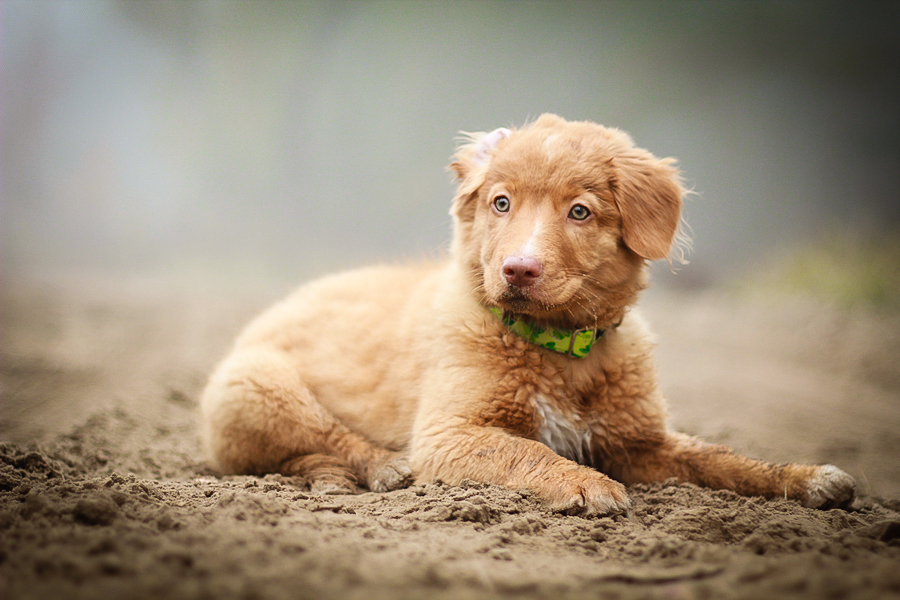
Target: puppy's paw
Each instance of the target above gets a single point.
(588, 494)
(327, 486)
(325, 474)
(393, 473)
(829, 487)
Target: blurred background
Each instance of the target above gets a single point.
(289, 139)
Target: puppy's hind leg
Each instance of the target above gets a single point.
(259, 417)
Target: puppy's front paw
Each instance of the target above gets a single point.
(587, 493)
(393, 473)
(829, 487)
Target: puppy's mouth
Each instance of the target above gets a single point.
(557, 306)
(523, 301)
(516, 299)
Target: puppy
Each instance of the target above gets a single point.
(519, 361)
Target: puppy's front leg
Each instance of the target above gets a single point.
(456, 451)
(718, 467)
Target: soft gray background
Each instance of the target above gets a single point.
(290, 139)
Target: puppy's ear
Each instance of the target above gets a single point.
(477, 151)
(648, 193)
(470, 165)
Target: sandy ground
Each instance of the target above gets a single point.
(103, 493)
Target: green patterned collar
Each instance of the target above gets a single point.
(565, 341)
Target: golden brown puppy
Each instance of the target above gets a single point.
(517, 362)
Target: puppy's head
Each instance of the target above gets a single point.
(557, 220)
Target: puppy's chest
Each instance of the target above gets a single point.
(564, 406)
(566, 433)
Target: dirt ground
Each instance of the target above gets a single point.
(103, 493)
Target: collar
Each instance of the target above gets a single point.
(575, 343)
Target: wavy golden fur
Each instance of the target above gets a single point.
(388, 375)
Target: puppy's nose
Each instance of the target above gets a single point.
(522, 271)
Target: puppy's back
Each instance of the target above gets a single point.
(354, 338)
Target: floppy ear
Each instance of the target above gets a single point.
(470, 165)
(477, 152)
(647, 192)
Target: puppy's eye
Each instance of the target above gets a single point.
(579, 212)
(501, 204)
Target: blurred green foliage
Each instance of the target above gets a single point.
(840, 267)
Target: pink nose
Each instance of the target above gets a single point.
(522, 271)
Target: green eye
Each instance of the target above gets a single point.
(579, 212)
(501, 204)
